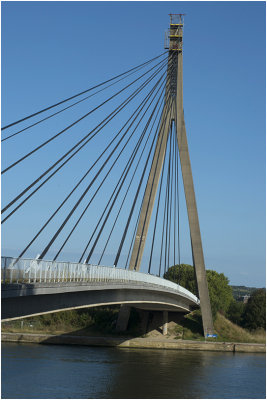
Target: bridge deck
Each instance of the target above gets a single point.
(31, 287)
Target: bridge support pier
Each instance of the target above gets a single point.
(144, 320)
(123, 318)
(165, 323)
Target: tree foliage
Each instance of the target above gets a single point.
(184, 275)
(255, 312)
(220, 292)
(219, 289)
(235, 312)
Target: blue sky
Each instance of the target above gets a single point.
(51, 50)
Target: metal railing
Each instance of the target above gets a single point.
(22, 270)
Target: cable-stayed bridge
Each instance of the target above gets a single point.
(100, 171)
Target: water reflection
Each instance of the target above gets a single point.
(51, 371)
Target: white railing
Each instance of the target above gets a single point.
(22, 270)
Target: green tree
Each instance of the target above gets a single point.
(255, 311)
(184, 275)
(219, 289)
(220, 292)
(235, 312)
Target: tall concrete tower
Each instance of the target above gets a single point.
(173, 113)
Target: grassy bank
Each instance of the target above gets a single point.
(102, 321)
(190, 328)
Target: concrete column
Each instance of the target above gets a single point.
(123, 318)
(165, 323)
(151, 191)
(144, 320)
(198, 257)
(154, 176)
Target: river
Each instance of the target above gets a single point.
(61, 371)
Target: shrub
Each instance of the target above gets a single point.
(255, 311)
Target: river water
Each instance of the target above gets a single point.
(53, 371)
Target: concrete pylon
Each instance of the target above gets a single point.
(197, 250)
(123, 318)
(174, 113)
(151, 190)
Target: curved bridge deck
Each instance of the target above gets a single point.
(31, 287)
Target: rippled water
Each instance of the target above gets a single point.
(52, 371)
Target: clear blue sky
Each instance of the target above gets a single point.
(51, 50)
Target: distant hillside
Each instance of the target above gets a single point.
(239, 291)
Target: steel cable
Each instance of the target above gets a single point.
(178, 200)
(66, 108)
(113, 226)
(121, 184)
(136, 196)
(139, 246)
(52, 216)
(74, 123)
(175, 194)
(171, 195)
(167, 206)
(164, 216)
(100, 185)
(76, 205)
(156, 218)
(98, 128)
(79, 94)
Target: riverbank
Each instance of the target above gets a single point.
(140, 342)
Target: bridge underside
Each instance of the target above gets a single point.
(23, 300)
